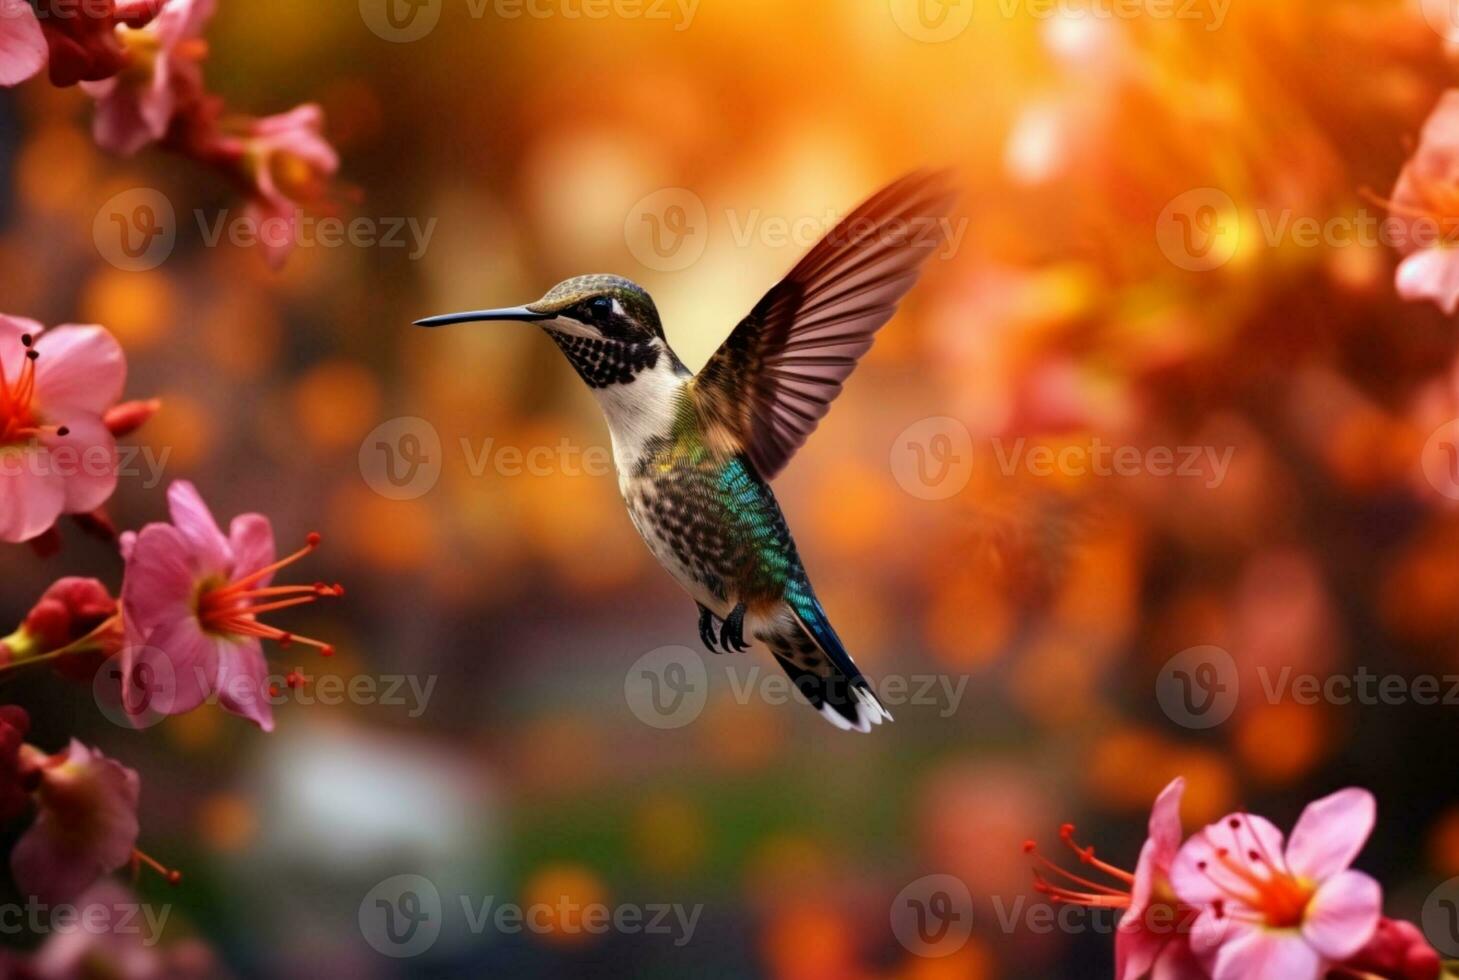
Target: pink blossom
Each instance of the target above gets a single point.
(78, 614)
(1153, 933)
(1269, 912)
(191, 598)
(22, 43)
(1153, 929)
(85, 825)
(136, 106)
(120, 944)
(1398, 951)
(288, 164)
(1425, 208)
(82, 37)
(56, 453)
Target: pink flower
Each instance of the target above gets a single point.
(22, 42)
(288, 164)
(136, 106)
(1398, 951)
(1274, 913)
(85, 825)
(75, 613)
(120, 945)
(191, 598)
(1153, 933)
(82, 36)
(1425, 206)
(56, 454)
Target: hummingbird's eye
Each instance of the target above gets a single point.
(600, 305)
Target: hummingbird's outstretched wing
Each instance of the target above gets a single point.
(770, 383)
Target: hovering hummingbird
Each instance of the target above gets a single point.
(695, 452)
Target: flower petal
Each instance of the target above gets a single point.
(1267, 954)
(251, 537)
(86, 459)
(1165, 828)
(1431, 274)
(1200, 874)
(79, 368)
(22, 43)
(1330, 833)
(126, 119)
(193, 518)
(243, 681)
(1177, 962)
(31, 495)
(85, 827)
(172, 672)
(160, 578)
(1341, 917)
(1161, 846)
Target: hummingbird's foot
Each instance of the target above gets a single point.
(706, 630)
(732, 636)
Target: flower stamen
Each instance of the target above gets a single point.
(234, 608)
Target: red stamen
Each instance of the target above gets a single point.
(171, 875)
(1084, 890)
(234, 608)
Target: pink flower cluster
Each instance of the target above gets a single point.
(189, 625)
(1239, 901)
(141, 60)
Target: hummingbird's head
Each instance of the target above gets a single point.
(607, 326)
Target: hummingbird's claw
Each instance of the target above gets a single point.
(706, 630)
(732, 636)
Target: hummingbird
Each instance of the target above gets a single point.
(695, 453)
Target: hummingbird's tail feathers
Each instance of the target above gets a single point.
(811, 653)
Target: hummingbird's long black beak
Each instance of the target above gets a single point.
(480, 316)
